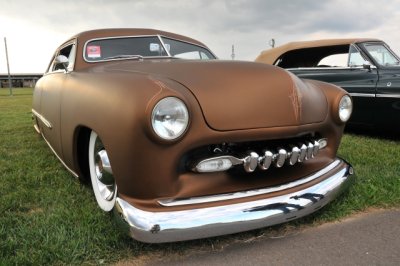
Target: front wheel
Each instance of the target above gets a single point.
(103, 182)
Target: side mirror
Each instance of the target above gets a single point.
(367, 65)
(61, 62)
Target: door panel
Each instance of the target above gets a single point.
(50, 109)
(388, 99)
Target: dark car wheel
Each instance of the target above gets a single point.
(103, 182)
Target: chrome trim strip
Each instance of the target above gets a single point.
(373, 95)
(59, 158)
(249, 193)
(370, 95)
(170, 226)
(44, 120)
(35, 125)
(330, 68)
(388, 95)
(36, 128)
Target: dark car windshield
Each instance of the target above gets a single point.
(142, 47)
(381, 54)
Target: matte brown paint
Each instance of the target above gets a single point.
(227, 101)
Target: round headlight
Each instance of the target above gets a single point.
(170, 118)
(345, 108)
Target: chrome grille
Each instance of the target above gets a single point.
(250, 161)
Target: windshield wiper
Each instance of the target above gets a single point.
(125, 56)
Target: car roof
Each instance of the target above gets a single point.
(271, 55)
(116, 32)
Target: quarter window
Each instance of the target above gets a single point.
(67, 51)
(355, 57)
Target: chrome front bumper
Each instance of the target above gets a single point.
(157, 227)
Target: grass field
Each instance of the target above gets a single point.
(48, 217)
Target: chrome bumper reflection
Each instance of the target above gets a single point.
(157, 227)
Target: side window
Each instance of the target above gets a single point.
(315, 57)
(69, 52)
(335, 60)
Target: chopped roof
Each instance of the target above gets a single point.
(115, 32)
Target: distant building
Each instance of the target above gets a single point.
(20, 80)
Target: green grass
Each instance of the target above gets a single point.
(48, 217)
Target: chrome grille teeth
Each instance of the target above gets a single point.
(294, 155)
(303, 153)
(297, 154)
(264, 162)
(251, 162)
(310, 148)
(280, 158)
(316, 148)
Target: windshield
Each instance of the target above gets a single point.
(382, 54)
(142, 47)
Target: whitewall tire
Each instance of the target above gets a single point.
(102, 178)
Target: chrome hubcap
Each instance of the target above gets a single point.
(105, 178)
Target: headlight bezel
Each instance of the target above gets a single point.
(162, 105)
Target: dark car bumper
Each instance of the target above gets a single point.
(170, 226)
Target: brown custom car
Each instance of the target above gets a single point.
(181, 145)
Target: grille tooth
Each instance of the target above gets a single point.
(280, 158)
(316, 148)
(310, 148)
(303, 153)
(250, 162)
(265, 161)
(294, 156)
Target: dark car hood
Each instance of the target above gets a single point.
(240, 95)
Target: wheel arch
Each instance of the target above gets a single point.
(81, 152)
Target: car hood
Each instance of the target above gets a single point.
(236, 95)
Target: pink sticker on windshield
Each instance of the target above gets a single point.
(93, 51)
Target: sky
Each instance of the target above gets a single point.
(34, 29)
